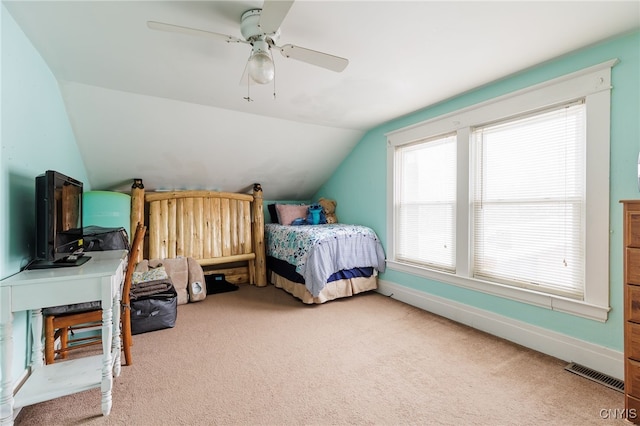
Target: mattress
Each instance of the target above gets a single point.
(328, 261)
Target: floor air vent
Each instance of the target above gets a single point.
(590, 374)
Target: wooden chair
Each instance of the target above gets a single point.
(59, 326)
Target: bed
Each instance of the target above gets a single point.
(226, 233)
(222, 231)
(319, 263)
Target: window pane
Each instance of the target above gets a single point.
(425, 203)
(528, 201)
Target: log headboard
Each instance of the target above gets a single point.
(223, 231)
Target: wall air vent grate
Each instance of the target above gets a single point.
(601, 378)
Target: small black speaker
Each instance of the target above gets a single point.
(216, 283)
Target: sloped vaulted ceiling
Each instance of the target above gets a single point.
(169, 108)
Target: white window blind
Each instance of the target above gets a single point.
(528, 201)
(426, 202)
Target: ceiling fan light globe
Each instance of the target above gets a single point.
(261, 68)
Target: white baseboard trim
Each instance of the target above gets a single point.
(566, 348)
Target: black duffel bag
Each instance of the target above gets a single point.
(154, 306)
(99, 238)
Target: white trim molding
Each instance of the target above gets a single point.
(523, 295)
(561, 346)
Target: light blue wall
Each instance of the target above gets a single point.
(359, 184)
(36, 136)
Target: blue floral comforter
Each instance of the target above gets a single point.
(318, 251)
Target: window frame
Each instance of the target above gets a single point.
(399, 162)
(592, 84)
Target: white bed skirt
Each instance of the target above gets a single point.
(333, 290)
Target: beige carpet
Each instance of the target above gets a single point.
(259, 357)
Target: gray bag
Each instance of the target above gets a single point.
(154, 306)
(98, 238)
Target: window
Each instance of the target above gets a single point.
(426, 203)
(528, 201)
(510, 197)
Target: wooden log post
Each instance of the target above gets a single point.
(258, 237)
(137, 209)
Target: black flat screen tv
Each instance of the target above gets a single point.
(59, 233)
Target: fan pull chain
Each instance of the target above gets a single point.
(248, 97)
(274, 75)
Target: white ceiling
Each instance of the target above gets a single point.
(169, 108)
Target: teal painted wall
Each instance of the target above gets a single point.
(359, 183)
(36, 136)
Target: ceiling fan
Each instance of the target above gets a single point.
(261, 29)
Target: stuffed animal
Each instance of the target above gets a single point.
(329, 209)
(316, 215)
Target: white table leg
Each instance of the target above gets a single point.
(107, 360)
(37, 354)
(6, 351)
(117, 341)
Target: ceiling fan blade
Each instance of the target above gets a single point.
(324, 60)
(272, 15)
(192, 31)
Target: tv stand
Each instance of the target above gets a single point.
(31, 290)
(60, 263)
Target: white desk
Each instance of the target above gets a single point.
(98, 279)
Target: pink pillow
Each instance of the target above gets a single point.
(287, 213)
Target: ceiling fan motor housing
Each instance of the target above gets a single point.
(251, 31)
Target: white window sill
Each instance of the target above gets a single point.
(555, 303)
